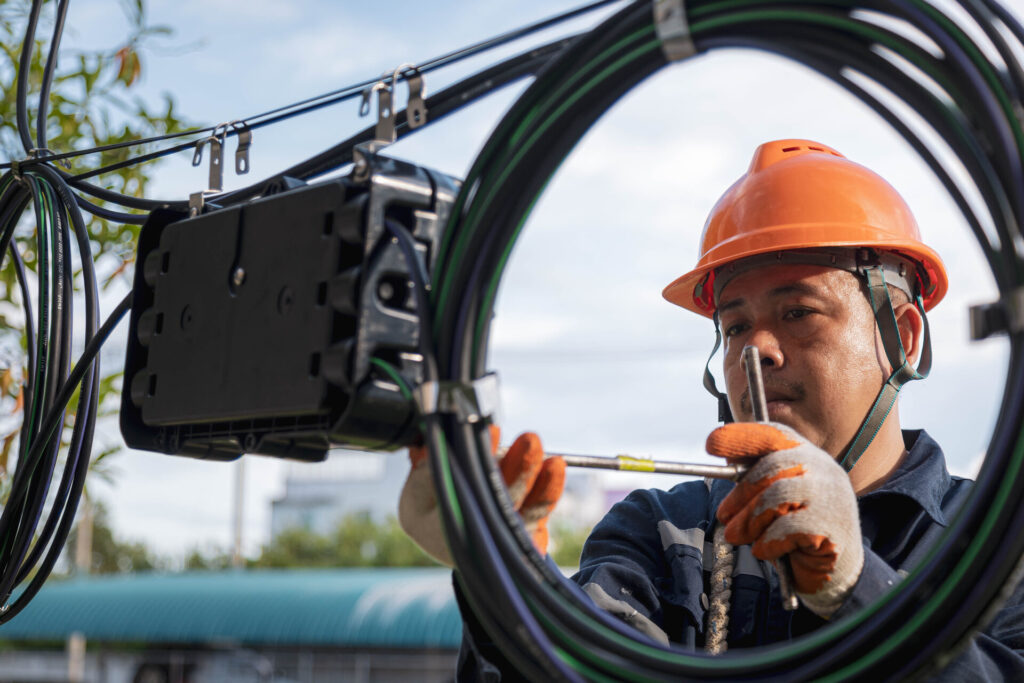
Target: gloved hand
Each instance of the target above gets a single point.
(534, 485)
(794, 500)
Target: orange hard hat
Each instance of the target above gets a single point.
(802, 195)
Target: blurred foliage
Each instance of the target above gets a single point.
(213, 559)
(566, 545)
(111, 555)
(357, 541)
(92, 103)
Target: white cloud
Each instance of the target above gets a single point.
(968, 469)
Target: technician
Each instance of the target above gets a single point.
(818, 263)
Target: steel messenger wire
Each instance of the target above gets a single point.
(963, 579)
(270, 117)
(449, 100)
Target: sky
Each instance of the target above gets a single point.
(588, 353)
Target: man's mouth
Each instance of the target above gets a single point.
(780, 402)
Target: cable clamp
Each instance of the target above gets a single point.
(999, 317)
(384, 133)
(468, 402)
(215, 183)
(35, 154)
(673, 30)
(244, 143)
(217, 140)
(416, 109)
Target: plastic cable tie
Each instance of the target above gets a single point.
(468, 402)
(673, 30)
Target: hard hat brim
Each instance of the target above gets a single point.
(681, 291)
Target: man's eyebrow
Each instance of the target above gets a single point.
(794, 288)
(781, 290)
(735, 303)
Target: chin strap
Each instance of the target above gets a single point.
(724, 412)
(885, 318)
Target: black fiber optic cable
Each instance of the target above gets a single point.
(545, 627)
(51, 66)
(538, 661)
(28, 553)
(503, 184)
(24, 67)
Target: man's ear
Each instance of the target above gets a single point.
(910, 323)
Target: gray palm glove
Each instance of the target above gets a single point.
(795, 500)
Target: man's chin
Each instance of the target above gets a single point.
(783, 411)
(787, 415)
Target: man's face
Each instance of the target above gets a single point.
(816, 335)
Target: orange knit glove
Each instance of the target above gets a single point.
(794, 500)
(534, 484)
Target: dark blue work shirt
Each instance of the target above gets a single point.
(649, 559)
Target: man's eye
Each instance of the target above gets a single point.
(797, 313)
(733, 330)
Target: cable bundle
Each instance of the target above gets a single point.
(36, 519)
(546, 627)
(543, 625)
(26, 551)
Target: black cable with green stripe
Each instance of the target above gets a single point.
(946, 599)
(37, 517)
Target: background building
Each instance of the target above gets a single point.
(296, 626)
(318, 496)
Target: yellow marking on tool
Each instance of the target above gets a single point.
(632, 464)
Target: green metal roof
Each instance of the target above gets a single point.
(413, 608)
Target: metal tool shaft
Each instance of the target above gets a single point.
(759, 406)
(755, 383)
(627, 463)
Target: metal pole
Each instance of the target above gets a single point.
(628, 463)
(237, 560)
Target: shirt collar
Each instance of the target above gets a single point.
(921, 476)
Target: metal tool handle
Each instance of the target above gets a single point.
(759, 407)
(629, 463)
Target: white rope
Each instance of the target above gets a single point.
(721, 593)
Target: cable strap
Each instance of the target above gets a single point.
(468, 402)
(673, 30)
(724, 412)
(903, 370)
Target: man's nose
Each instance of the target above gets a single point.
(767, 345)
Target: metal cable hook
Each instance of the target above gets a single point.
(416, 109)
